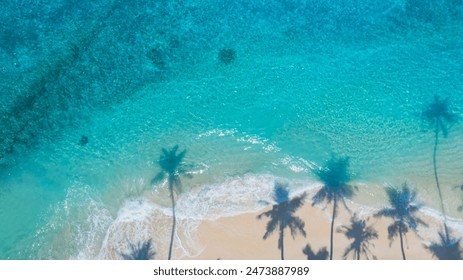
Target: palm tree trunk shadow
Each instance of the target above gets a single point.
(438, 115)
(172, 167)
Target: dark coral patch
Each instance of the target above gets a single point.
(83, 140)
(156, 57)
(227, 56)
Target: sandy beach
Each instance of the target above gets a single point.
(205, 231)
(240, 237)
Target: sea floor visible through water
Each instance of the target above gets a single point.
(277, 112)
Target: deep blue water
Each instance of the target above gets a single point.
(310, 79)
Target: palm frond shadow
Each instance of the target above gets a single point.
(282, 215)
(438, 116)
(361, 235)
(448, 247)
(335, 177)
(321, 254)
(402, 210)
(140, 251)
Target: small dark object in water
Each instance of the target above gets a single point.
(227, 56)
(156, 57)
(83, 140)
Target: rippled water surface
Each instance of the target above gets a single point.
(309, 79)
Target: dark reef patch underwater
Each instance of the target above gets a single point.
(256, 91)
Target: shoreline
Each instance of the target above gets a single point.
(213, 223)
(240, 237)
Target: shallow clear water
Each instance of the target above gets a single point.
(310, 80)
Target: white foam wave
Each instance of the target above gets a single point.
(201, 168)
(130, 225)
(266, 145)
(242, 137)
(234, 196)
(89, 235)
(218, 132)
(141, 218)
(435, 220)
(298, 165)
(76, 226)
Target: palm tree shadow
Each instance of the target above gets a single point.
(282, 215)
(438, 115)
(361, 235)
(439, 118)
(322, 254)
(402, 209)
(335, 176)
(172, 168)
(140, 251)
(448, 247)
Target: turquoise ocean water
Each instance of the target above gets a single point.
(310, 79)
